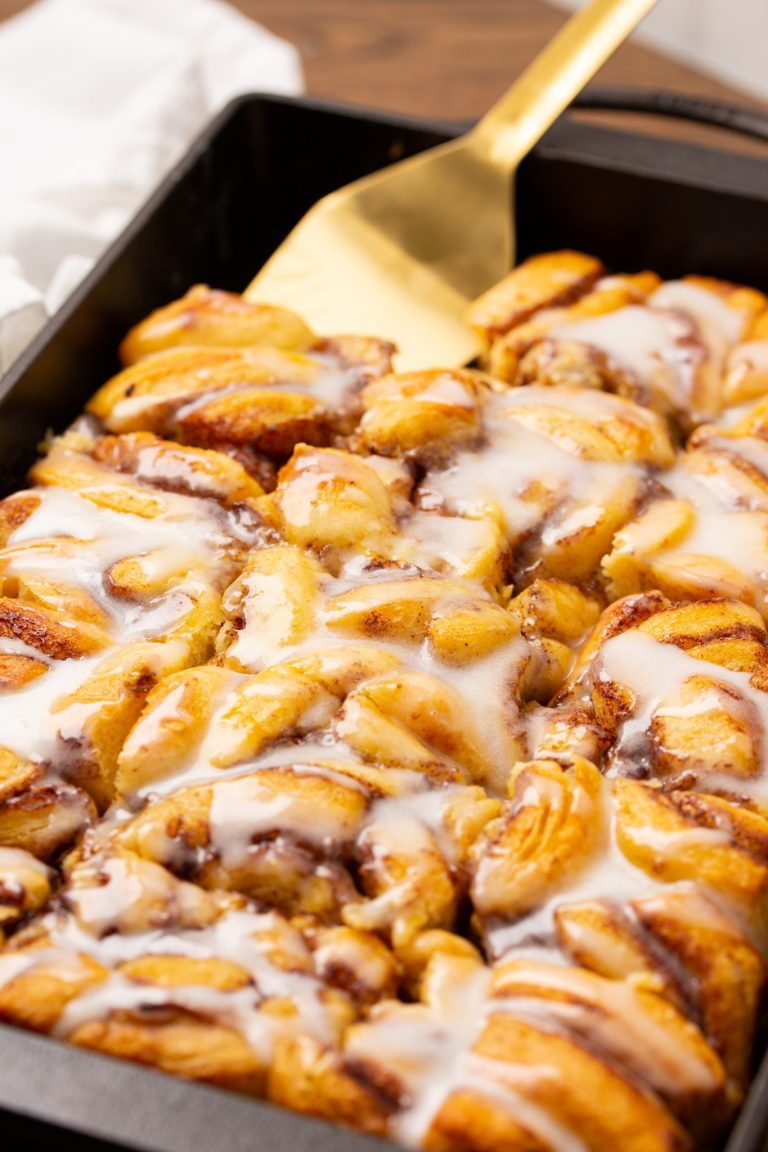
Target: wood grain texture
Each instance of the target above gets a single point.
(442, 58)
(447, 59)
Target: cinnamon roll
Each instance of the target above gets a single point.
(392, 746)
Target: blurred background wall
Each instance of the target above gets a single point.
(728, 38)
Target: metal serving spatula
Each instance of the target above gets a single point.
(400, 253)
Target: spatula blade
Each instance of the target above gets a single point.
(344, 275)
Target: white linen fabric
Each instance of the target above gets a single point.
(98, 99)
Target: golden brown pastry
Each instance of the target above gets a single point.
(515, 1059)
(325, 759)
(560, 470)
(390, 745)
(250, 380)
(681, 691)
(205, 316)
(705, 533)
(111, 574)
(357, 515)
(686, 348)
(139, 965)
(25, 885)
(545, 281)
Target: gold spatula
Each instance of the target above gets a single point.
(400, 253)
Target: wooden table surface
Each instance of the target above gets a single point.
(437, 58)
(443, 58)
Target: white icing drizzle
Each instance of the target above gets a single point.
(71, 540)
(239, 936)
(652, 344)
(607, 875)
(410, 822)
(242, 811)
(654, 672)
(708, 308)
(233, 937)
(15, 964)
(621, 1027)
(234, 1009)
(400, 815)
(749, 448)
(334, 383)
(486, 1077)
(14, 862)
(724, 549)
(29, 717)
(720, 531)
(427, 1051)
(663, 342)
(748, 365)
(446, 389)
(712, 490)
(442, 543)
(313, 374)
(265, 599)
(432, 1054)
(40, 718)
(524, 477)
(485, 688)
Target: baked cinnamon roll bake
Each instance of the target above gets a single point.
(392, 746)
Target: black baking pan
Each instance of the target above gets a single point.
(632, 200)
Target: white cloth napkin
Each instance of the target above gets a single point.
(98, 98)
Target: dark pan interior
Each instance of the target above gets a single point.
(215, 219)
(631, 200)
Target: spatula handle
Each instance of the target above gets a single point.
(521, 117)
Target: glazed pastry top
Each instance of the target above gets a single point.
(393, 746)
